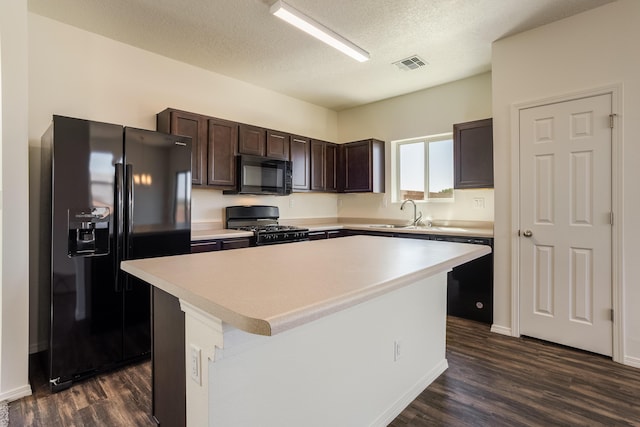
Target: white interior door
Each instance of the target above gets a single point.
(565, 223)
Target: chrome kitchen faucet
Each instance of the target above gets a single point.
(416, 217)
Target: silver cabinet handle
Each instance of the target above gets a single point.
(527, 233)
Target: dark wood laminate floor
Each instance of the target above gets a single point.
(119, 398)
(492, 380)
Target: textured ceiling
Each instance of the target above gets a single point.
(241, 39)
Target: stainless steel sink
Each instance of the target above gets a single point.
(391, 226)
(421, 227)
(450, 229)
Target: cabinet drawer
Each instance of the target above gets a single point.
(317, 235)
(235, 244)
(205, 246)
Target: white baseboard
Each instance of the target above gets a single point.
(632, 361)
(16, 393)
(502, 330)
(399, 405)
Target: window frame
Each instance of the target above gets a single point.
(395, 165)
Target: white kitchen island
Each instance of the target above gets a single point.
(340, 332)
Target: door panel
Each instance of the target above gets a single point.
(86, 332)
(565, 204)
(159, 219)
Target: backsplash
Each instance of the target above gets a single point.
(467, 206)
(208, 206)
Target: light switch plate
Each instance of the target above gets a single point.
(195, 364)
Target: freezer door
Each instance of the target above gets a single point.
(86, 308)
(157, 218)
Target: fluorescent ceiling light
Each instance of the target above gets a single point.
(317, 30)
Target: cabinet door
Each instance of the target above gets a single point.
(195, 126)
(252, 140)
(330, 167)
(357, 157)
(222, 146)
(278, 144)
(473, 154)
(363, 163)
(317, 165)
(168, 360)
(300, 158)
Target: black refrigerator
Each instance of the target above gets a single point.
(116, 193)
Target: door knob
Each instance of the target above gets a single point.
(527, 233)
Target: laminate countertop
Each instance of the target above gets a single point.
(458, 230)
(269, 289)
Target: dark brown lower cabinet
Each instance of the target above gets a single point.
(235, 243)
(328, 234)
(205, 246)
(169, 407)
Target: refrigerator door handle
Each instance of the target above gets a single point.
(118, 224)
(129, 230)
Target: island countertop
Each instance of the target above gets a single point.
(269, 289)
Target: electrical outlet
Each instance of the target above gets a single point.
(195, 364)
(397, 350)
(478, 202)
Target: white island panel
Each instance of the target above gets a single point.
(340, 370)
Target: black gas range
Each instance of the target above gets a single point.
(263, 222)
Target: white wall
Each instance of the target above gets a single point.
(14, 276)
(427, 112)
(80, 74)
(590, 50)
(76, 73)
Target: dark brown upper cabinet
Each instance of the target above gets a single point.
(222, 145)
(316, 165)
(278, 145)
(214, 146)
(331, 167)
(362, 166)
(473, 154)
(177, 122)
(252, 140)
(300, 153)
(323, 166)
(263, 142)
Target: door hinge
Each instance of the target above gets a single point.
(611, 218)
(611, 314)
(611, 120)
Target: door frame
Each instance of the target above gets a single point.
(617, 173)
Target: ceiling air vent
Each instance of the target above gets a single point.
(410, 63)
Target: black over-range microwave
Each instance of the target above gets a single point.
(262, 175)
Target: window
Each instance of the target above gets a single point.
(423, 163)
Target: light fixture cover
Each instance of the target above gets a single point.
(317, 30)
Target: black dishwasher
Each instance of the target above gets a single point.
(470, 285)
